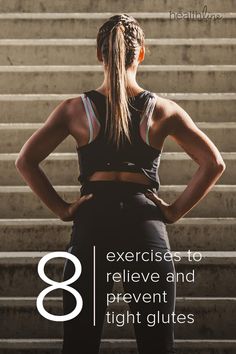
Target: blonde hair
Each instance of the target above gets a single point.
(118, 40)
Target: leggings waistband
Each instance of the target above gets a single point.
(114, 188)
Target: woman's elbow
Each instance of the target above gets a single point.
(22, 163)
(220, 165)
(217, 166)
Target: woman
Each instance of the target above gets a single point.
(119, 129)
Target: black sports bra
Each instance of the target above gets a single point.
(100, 155)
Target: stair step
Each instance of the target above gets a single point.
(113, 6)
(180, 164)
(20, 269)
(203, 234)
(68, 25)
(116, 346)
(198, 51)
(67, 79)
(23, 203)
(18, 315)
(35, 108)
(14, 135)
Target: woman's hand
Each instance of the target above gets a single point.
(166, 209)
(70, 209)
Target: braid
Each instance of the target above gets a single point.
(133, 36)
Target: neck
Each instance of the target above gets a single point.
(132, 86)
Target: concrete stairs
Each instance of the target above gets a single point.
(47, 54)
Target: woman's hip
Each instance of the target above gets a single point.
(126, 201)
(119, 215)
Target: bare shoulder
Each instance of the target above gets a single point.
(73, 106)
(171, 115)
(73, 109)
(165, 107)
(61, 113)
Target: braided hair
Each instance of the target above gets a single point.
(118, 41)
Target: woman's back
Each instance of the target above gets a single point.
(136, 156)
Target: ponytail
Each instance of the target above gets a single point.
(118, 114)
(117, 41)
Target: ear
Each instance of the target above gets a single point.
(141, 54)
(99, 55)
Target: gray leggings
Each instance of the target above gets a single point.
(118, 219)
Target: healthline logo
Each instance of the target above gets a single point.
(203, 15)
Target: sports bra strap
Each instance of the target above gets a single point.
(91, 110)
(147, 115)
(90, 115)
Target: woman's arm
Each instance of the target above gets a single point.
(201, 149)
(38, 147)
